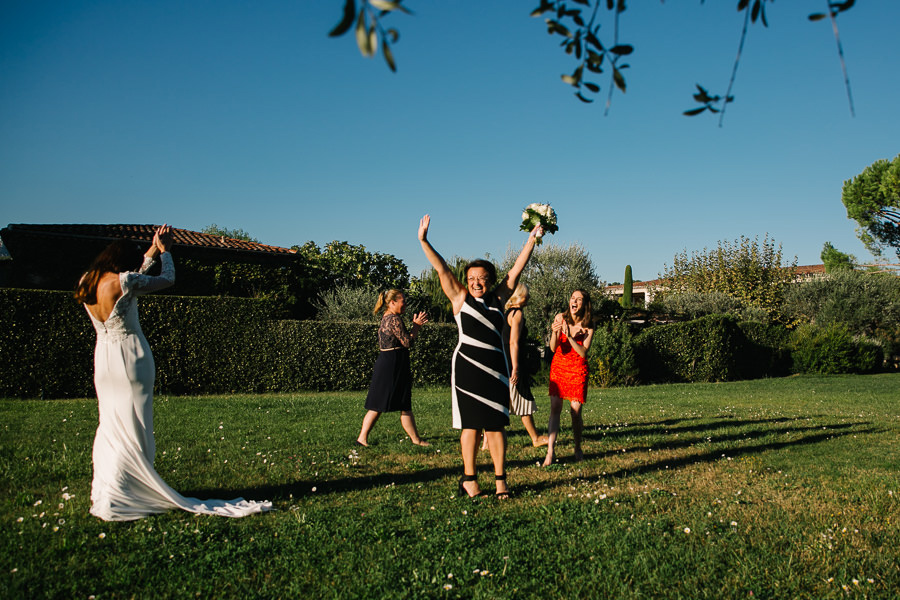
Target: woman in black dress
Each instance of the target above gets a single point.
(391, 387)
(480, 376)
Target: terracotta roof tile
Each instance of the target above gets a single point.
(184, 237)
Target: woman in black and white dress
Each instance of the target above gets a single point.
(391, 386)
(480, 376)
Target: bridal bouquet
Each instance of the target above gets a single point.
(539, 214)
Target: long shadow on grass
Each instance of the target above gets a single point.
(303, 488)
(712, 456)
(629, 430)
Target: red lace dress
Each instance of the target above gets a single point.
(568, 370)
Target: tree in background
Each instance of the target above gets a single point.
(552, 274)
(867, 304)
(343, 264)
(627, 289)
(872, 199)
(835, 260)
(425, 292)
(578, 24)
(237, 234)
(745, 269)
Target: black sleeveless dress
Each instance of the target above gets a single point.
(480, 378)
(521, 400)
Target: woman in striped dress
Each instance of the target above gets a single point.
(480, 377)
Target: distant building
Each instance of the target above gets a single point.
(53, 257)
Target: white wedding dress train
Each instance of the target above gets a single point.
(125, 485)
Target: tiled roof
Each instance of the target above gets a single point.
(184, 237)
(809, 270)
(636, 284)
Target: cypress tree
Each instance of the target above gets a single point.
(626, 289)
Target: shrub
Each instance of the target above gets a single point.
(832, 349)
(765, 350)
(347, 303)
(612, 359)
(699, 304)
(868, 304)
(698, 350)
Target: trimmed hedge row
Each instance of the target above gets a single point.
(200, 345)
(230, 345)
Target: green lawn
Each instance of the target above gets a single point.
(783, 488)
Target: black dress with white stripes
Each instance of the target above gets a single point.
(480, 378)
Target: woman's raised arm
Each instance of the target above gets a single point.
(453, 289)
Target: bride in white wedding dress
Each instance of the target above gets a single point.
(125, 485)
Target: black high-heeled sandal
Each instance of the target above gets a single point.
(502, 495)
(462, 489)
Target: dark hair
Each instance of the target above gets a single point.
(584, 315)
(487, 266)
(118, 257)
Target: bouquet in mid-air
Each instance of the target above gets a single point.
(539, 214)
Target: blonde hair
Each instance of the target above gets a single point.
(384, 298)
(519, 296)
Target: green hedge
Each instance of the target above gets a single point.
(698, 350)
(712, 348)
(201, 345)
(833, 349)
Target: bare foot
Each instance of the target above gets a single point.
(422, 443)
(547, 461)
(361, 443)
(541, 440)
(471, 488)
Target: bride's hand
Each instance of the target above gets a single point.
(163, 238)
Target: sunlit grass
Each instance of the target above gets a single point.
(781, 488)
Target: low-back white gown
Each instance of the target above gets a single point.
(125, 485)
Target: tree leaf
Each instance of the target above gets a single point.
(582, 98)
(742, 4)
(388, 55)
(570, 80)
(694, 111)
(618, 79)
(362, 35)
(592, 86)
(622, 49)
(373, 40)
(385, 5)
(594, 41)
(346, 21)
(816, 16)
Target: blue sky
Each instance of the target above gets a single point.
(247, 115)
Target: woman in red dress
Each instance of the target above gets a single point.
(570, 340)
